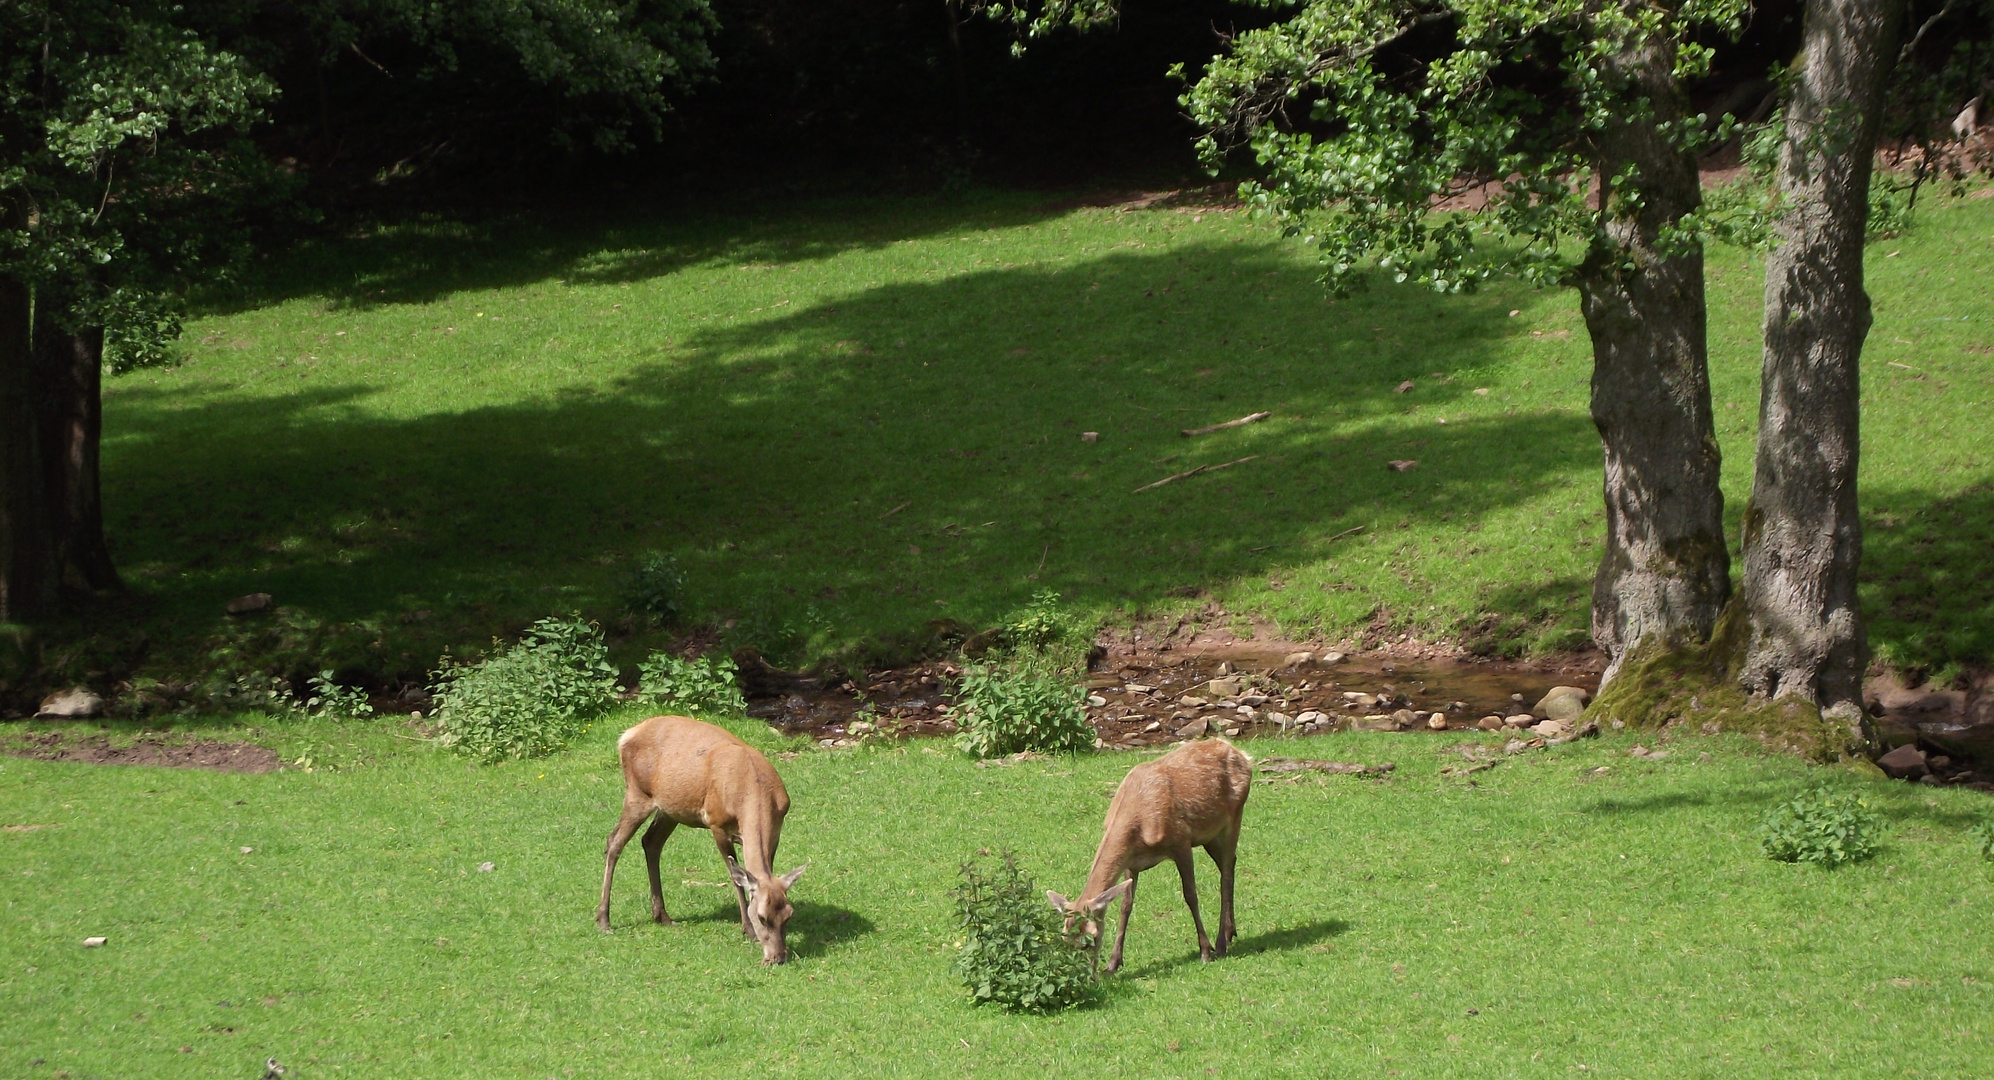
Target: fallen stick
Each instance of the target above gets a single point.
(1241, 422)
(895, 510)
(1192, 472)
(1344, 533)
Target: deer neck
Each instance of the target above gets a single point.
(1109, 863)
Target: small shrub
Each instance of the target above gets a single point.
(1044, 624)
(703, 684)
(1015, 951)
(329, 698)
(528, 699)
(656, 590)
(1021, 703)
(1820, 827)
(1982, 838)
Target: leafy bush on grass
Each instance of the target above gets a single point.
(1015, 951)
(1043, 624)
(1820, 827)
(1982, 838)
(701, 685)
(1022, 702)
(529, 699)
(656, 589)
(330, 699)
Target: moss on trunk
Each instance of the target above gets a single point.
(1674, 684)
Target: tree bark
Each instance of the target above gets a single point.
(1802, 536)
(71, 363)
(28, 577)
(1665, 574)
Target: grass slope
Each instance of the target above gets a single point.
(849, 418)
(1550, 920)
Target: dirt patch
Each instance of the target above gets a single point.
(234, 757)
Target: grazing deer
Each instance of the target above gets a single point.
(691, 773)
(1191, 797)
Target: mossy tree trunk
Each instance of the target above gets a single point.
(1665, 574)
(71, 364)
(1802, 535)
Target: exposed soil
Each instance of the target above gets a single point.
(235, 757)
(1144, 691)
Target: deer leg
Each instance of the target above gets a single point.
(1122, 931)
(626, 825)
(1187, 873)
(654, 844)
(729, 854)
(1226, 855)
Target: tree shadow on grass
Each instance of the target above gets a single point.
(814, 928)
(430, 257)
(1651, 804)
(863, 464)
(1926, 590)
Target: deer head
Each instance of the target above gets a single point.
(769, 909)
(1087, 915)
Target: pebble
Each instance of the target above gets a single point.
(1138, 688)
(1296, 659)
(1193, 729)
(1190, 702)
(1312, 717)
(92, 942)
(243, 605)
(1437, 722)
(1551, 729)
(1563, 703)
(1097, 701)
(1223, 688)
(1280, 720)
(1332, 658)
(1405, 718)
(1361, 700)
(1154, 725)
(1519, 720)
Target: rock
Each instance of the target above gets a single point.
(1907, 762)
(1518, 698)
(1402, 465)
(1405, 719)
(1190, 702)
(863, 727)
(74, 703)
(1362, 701)
(1937, 762)
(1097, 701)
(243, 605)
(1225, 666)
(1223, 688)
(1332, 658)
(1519, 720)
(1437, 722)
(1514, 746)
(1255, 700)
(1279, 719)
(1232, 731)
(1928, 778)
(1404, 387)
(1090, 436)
(1311, 717)
(1138, 688)
(485, 868)
(1296, 659)
(1194, 729)
(92, 942)
(1489, 723)
(1563, 703)
(1373, 722)
(1551, 729)
(1153, 725)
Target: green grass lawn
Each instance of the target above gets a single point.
(1548, 921)
(848, 418)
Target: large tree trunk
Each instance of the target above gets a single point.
(1665, 574)
(27, 557)
(1802, 537)
(72, 423)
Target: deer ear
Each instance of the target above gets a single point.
(789, 880)
(1109, 896)
(739, 876)
(1057, 901)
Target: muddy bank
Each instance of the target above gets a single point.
(1140, 695)
(217, 756)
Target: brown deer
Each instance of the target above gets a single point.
(691, 773)
(1191, 797)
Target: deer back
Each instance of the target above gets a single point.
(699, 774)
(1184, 799)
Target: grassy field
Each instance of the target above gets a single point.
(1551, 920)
(848, 418)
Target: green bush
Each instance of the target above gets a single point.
(655, 589)
(1982, 837)
(1043, 624)
(529, 699)
(703, 685)
(330, 699)
(1021, 703)
(1820, 827)
(1014, 950)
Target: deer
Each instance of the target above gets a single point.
(681, 771)
(1191, 797)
